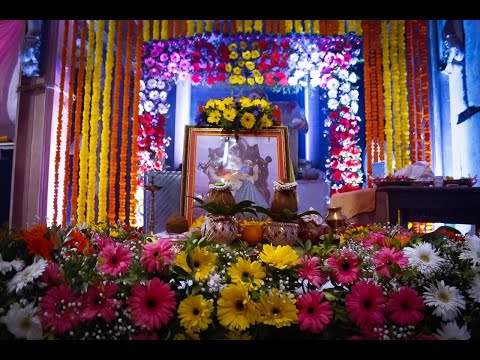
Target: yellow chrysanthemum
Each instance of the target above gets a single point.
(277, 309)
(265, 122)
(203, 262)
(259, 80)
(245, 102)
(251, 81)
(255, 54)
(219, 104)
(263, 103)
(248, 273)
(238, 335)
(229, 114)
(194, 313)
(232, 47)
(250, 65)
(247, 120)
(233, 55)
(280, 257)
(246, 55)
(114, 233)
(256, 73)
(235, 309)
(197, 224)
(241, 79)
(243, 45)
(228, 67)
(214, 117)
(237, 70)
(229, 101)
(241, 63)
(210, 104)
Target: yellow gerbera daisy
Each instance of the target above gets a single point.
(247, 273)
(263, 103)
(265, 122)
(235, 309)
(233, 55)
(228, 101)
(251, 81)
(214, 116)
(203, 262)
(250, 65)
(210, 104)
(280, 257)
(198, 222)
(247, 120)
(277, 309)
(220, 105)
(256, 73)
(229, 114)
(243, 45)
(194, 313)
(233, 79)
(246, 55)
(245, 101)
(237, 335)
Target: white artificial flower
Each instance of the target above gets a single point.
(142, 85)
(152, 83)
(446, 299)
(343, 74)
(142, 97)
(345, 87)
(161, 84)
(333, 84)
(451, 331)
(353, 61)
(163, 96)
(312, 48)
(23, 323)
(354, 106)
(332, 104)
(303, 83)
(353, 78)
(472, 251)
(148, 106)
(344, 99)
(293, 58)
(332, 94)
(354, 95)
(299, 74)
(183, 75)
(315, 57)
(154, 95)
(303, 59)
(315, 73)
(424, 258)
(163, 108)
(30, 273)
(292, 81)
(6, 266)
(315, 81)
(474, 291)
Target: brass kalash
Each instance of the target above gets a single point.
(335, 219)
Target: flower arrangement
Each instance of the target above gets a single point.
(251, 112)
(380, 283)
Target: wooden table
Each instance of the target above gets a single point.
(456, 205)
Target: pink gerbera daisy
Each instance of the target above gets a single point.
(52, 276)
(152, 305)
(313, 314)
(103, 241)
(155, 256)
(387, 260)
(58, 309)
(311, 272)
(344, 267)
(365, 304)
(374, 238)
(406, 306)
(116, 259)
(98, 302)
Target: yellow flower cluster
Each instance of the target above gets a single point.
(242, 67)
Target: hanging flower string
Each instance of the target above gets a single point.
(78, 123)
(402, 64)
(424, 87)
(58, 139)
(412, 93)
(68, 125)
(387, 95)
(156, 29)
(379, 82)
(105, 143)
(397, 126)
(83, 175)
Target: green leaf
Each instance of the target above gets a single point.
(196, 289)
(329, 296)
(308, 245)
(190, 260)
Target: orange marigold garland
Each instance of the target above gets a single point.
(380, 106)
(118, 82)
(94, 118)
(68, 125)
(59, 121)
(83, 174)
(122, 195)
(411, 73)
(105, 142)
(418, 93)
(225, 26)
(136, 99)
(78, 120)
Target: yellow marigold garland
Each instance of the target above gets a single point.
(156, 29)
(402, 64)
(308, 26)
(387, 96)
(298, 26)
(358, 27)
(136, 100)
(248, 26)
(190, 28)
(71, 86)
(78, 122)
(83, 176)
(397, 126)
(316, 27)
(258, 26)
(341, 27)
(146, 30)
(412, 94)
(209, 26)
(105, 142)
(122, 195)
(164, 32)
(288, 27)
(112, 180)
(58, 142)
(94, 118)
(351, 25)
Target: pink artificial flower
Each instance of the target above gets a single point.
(155, 256)
(365, 304)
(56, 313)
(175, 57)
(163, 57)
(103, 241)
(152, 305)
(145, 336)
(406, 306)
(311, 271)
(313, 314)
(344, 267)
(52, 276)
(98, 302)
(374, 238)
(117, 258)
(283, 82)
(387, 259)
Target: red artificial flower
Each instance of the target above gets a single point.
(365, 304)
(405, 306)
(77, 240)
(37, 241)
(98, 302)
(344, 267)
(56, 311)
(314, 314)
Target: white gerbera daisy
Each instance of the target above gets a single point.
(6, 266)
(30, 273)
(447, 300)
(163, 108)
(451, 331)
(424, 258)
(354, 95)
(23, 322)
(472, 251)
(474, 291)
(344, 99)
(154, 95)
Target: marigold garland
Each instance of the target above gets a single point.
(156, 29)
(83, 175)
(258, 26)
(418, 91)
(239, 25)
(268, 26)
(94, 118)
(412, 93)
(171, 24)
(308, 26)
(248, 26)
(288, 26)
(397, 139)
(333, 25)
(341, 27)
(424, 87)
(105, 142)
(146, 30)
(190, 28)
(59, 121)
(358, 27)
(136, 100)
(368, 107)
(402, 63)
(387, 96)
(122, 195)
(379, 82)
(68, 125)
(316, 27)
(78, 120)
(351, 26)
(112, 180)
(164, 32)
(209, 26)
(225, 26)
(298, 26)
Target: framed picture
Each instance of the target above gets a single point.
(250, 163)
